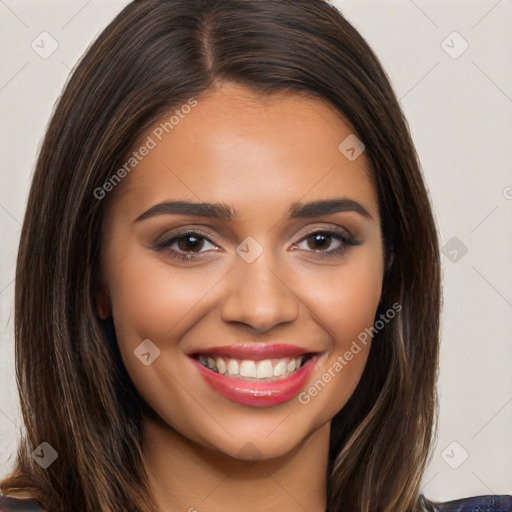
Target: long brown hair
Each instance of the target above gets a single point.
(74, 390)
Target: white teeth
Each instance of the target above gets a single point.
(280, 369)
(248, 369)
(221, 365)
(264, 369)
(232, 367)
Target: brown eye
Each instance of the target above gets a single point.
(319, 242)
(188, 245)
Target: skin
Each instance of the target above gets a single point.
(257, 154)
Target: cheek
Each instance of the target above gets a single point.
(352, 303)
(345, 300)
(151, 299)
(345, 305)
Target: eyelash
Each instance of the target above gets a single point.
(346, 241)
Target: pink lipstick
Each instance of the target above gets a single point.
(256, 375)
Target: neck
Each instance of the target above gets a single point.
(186, 476)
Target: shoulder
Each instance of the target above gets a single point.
(487, 503)
(19, 501)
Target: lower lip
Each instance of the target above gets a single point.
(258, 394)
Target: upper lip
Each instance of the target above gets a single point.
(253, 351)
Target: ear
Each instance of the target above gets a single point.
(102, 299)
(390, 258)
(389, 262)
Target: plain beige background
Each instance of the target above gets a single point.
(451, 67)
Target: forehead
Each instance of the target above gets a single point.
(235, 145)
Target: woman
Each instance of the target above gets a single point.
(227, 289)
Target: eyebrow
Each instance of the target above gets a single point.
(226, 212)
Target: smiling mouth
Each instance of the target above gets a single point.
(257, 375)
(266, 370)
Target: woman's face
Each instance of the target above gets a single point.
(278, 285)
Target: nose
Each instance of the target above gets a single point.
(258, 295)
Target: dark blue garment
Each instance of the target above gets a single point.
(11, 504)
(486, 503)
(474, 504)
